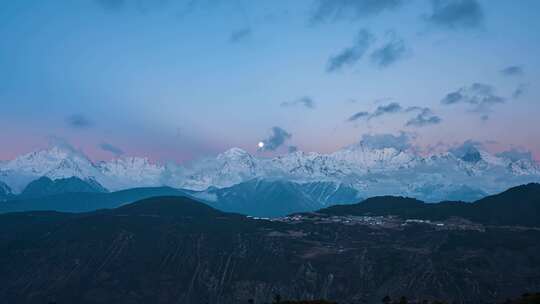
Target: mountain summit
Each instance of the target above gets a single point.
(370, 169)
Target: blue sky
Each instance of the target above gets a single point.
(176, 80)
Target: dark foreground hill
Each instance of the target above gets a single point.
(176, 250)
(515, 206)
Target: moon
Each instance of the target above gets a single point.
(260, 145)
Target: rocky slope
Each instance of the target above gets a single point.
(45, 186)
(5, 192)
(270, 198)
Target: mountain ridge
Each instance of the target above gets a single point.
(45, 186)
(273, 199)
(518, 205)
(266, 198)
(370, 170)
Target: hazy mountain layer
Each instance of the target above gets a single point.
(265, 198)
(44, 186)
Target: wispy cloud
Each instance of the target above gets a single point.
(304, 101)
(480, 96)
(111, 149)
(381, 141)
(335, 10)
(520, 90)
(79, 121)
(389, 53)
(515, 154)
(381, 110)
(240, 35)
(351, 55)
(390, 108)
(277, 138)
(467, 147)
(425, 117)
(292, 149)
(513, 70)
(456, 14)
(358, 115)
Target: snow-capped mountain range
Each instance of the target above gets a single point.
(371, 171)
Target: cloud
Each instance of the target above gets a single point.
(111, 149)
(389, 53)
(519, 91)
(352, 54)
(304, 101)
(390, 108)
(456, 14)
(292, 149)
(425, 117)
(357, 116)
(452, 98)
(381, 141)
(278, 137)
(240, 35)
(513, 70)
(335, 10)
(79, 121)
(515, 154)
(460, 149)
(480, 96)
(467, 147)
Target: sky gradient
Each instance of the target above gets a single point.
(178, 80)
